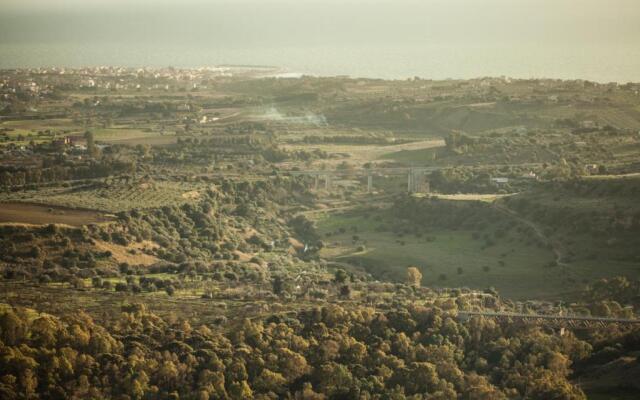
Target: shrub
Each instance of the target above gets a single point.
(122, 287)
(96, 282)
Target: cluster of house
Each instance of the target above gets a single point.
(116, 78)
(11, 87)
(74, 142)
(505, 180)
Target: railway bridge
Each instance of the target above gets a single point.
(554, 321)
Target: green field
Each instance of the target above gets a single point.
(22, 132)
(517, 266)
(438, 254)
(413, 157)
(131, 136)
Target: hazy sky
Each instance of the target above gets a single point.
(247, 25)
(319, 21)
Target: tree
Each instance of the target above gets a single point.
(335, 380)
(35, 252)
(278, 285)
(12, 329)
(340, 276)
(414, 277)
(240, 390)
(44, 330)
(91, 145)
(96, 282)
(345, 291)
(307, 393)
(270, 381)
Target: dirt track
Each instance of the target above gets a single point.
(25, 213)
(555, 247)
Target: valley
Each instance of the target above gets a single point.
(222, 234)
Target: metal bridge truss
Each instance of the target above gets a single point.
(560, 321)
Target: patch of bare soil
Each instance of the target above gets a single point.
(132, 254)
(37, 214)
(192, 195)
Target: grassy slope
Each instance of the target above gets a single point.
(524, 274)
(590, 256)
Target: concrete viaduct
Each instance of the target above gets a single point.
(415, 176)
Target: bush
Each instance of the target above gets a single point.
(122, 287)
(78, 283)
(96, 282)
(35, 252)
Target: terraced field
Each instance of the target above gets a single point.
(113, 198)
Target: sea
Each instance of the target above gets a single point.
(597, 63)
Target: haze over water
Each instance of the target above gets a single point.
(568, 39)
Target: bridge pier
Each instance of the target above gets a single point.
(415, 176)
(416, 182)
